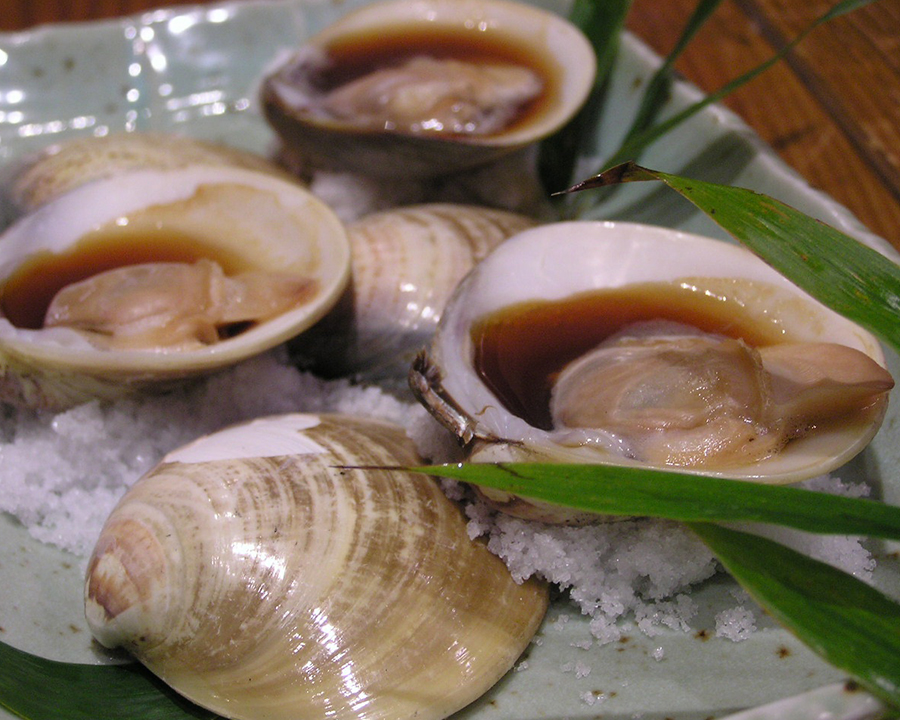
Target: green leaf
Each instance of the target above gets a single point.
(602, 22)
(36, 688)
(635, 143)
(847, 276)
(848, 623)
(635, 491)
(658, 88)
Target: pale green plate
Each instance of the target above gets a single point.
(194, 70)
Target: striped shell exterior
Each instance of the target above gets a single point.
(405, 264)
(36, 180)
(260, 578)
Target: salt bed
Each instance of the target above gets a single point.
(63, 473)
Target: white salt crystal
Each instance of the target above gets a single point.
(579, 669)
(63, 473)
(843, 552)
(604, 629)
(509, 183)
(610, 570)
(453, 489)
(352, 196)
(674, 614)
(735, 624)
(593, 697)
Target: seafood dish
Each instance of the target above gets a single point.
(419, 89)
(658, 348)
(130, 277)
(289, 561)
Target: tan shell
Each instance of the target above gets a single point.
(405, 262)
(561, 261)
(265, 221)
(260, 578)
(38, 179)
(289, 97)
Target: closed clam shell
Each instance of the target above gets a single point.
(720, 291)
(405, 264)
(297, 94)
(260, 578)
(247, 221)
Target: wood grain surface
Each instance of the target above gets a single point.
(831, 109)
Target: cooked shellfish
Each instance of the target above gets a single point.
(260, 578)
(95, 284)
(622, 343)
(405, 263)
(401, 89)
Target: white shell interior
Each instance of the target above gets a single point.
(554, 261)
(302, 235)
(547, 33)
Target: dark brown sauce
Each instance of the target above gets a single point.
(520, 350)
(355, 56)
(27, 293)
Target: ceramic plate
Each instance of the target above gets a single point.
(195, 70)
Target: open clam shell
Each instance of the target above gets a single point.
(634, 273)
(247, 222)
(299, 95)
(261, 578)
(37, 179)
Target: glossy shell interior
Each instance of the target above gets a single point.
(559, 260)
(273, 224)
(326, 142)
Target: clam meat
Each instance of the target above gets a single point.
(401, 89)
(261, 577)
(154, 275)
(628, 344)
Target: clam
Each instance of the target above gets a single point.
(152, 276)
(405, 263)
(418, 89)
(258, 576)
(635, 345)
(39, 178)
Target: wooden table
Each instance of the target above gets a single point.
(831, 109)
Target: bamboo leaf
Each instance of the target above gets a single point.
(635, 143)
(635, 491)
(659, 85)
(602, 22)
(848, 623)
(36, 688)
(847, 276)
